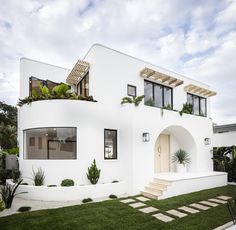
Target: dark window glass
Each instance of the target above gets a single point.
(53, 143)
(196, 105)
(158, 95)
(110, 144)
(199, 104)
(83, 86)
(131, 90)
(203, 106)
(190, 98)
(167, 96)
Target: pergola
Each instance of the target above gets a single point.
(199, 90)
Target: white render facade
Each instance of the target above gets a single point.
(137, 162)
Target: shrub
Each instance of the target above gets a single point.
(112, 196)
(93, 173)
(14, 150)
(115, 181)
(38, 177)
(4, 175)
(52, 185)
(2, 206)
(86, 200)
(67, 182)
(24, 209)
(8, 193)
(16, 175)
(24, 183)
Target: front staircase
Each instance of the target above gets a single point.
(156, 188)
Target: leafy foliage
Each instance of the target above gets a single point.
(16, 175)
(38, 177)
(24, 209)
(58, 92)
(181, 157)
(112, 196)
(93, 173)
(132, 100)
(67, 183)
(8, 193)
(86, 200)
(150, 102)
(187, 108)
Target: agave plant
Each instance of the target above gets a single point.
(38, 177)
(181, 157)
(8, 193)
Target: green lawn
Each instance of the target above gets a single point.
(115, 215)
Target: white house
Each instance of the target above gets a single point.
(132, 144)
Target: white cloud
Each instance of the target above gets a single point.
(196, 38)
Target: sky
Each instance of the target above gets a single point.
(195, 38)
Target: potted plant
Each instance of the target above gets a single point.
(182, 158)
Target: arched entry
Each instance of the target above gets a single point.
(167, 143)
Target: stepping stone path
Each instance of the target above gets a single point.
(189, 210)
(163, 217)
(199, 206)
(177, 213)
(141, 198)
(126, 201)
(218, 201)
(208, 203)
(148, 209)
(224, 197)
(137, 205)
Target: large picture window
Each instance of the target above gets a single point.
(50, 143)
(157, 95)
(199, 104)
(110, 144)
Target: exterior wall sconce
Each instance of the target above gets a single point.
(146, 137)
(207, 141)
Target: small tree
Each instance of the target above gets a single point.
(93, 173)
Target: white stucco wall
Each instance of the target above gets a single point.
(110, 73)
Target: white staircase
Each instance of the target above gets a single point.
(156, 188)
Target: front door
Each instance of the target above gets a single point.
(162, 154)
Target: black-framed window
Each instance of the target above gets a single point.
(83, 86)
(110, 144)
(198, 103)
(131, 90)
(157, 95)
(50, 143)
(34, 85)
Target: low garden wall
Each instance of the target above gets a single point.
(80, 192)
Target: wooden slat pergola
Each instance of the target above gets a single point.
(162, 78)
(199, 90)
(78, 72)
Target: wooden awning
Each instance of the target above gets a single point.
(160, 77)
(199, 91)
(78, 72)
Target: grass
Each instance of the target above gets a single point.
(113, 214)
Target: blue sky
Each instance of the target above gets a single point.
(193, 38)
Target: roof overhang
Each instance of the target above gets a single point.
(161, 78)
(78, 72)
(199, 90)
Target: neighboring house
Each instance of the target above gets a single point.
(131, 144)
(224, 135)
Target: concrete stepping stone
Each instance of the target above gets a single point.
(137, 205)
(126, 201)
(218, 201)
(177, 213)
(163, 217)
(189, 210)
(141, 198)
(224, 197)
(208, 203)
(148, 209)
(199, 206)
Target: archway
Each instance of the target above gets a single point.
(167, 143)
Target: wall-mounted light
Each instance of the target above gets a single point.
(146, 137)
(207, 141)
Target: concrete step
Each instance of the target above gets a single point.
(151, 195)
(158, 186)
(153, 189)
(161, 181)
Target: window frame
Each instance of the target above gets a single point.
(116, 142)
(199, 102)
(162, 89)
(82, 83)
(24, 143)
(135, 90)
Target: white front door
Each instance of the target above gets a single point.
(162, 154)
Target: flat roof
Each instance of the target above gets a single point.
(224, 128)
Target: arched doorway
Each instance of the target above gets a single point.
(167, 143)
